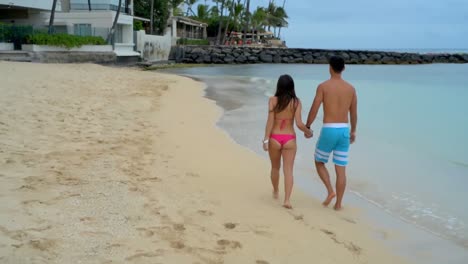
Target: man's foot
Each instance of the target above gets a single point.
(287, 205)
(329, 199)
(275, 195)
(337, 207)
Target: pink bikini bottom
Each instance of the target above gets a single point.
(283, 138)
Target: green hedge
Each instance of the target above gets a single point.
(14, 33)
(64, 40)
(184, 41)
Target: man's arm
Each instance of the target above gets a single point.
(315, 106)
(353, 114)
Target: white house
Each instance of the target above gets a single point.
(74, 17)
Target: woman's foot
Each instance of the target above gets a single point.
(287, 205)
(275, 195)
(329, 199)
(337, 207)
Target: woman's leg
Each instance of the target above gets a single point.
(274, 149)
(289, 154)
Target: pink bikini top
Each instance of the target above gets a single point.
(283, 122)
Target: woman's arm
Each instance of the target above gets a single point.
(269, 123)
(298, 117)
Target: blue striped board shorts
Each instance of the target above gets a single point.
(334, 137)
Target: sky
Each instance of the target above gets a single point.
(371, 24)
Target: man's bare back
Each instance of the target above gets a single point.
(338, 96)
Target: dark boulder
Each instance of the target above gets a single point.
(376, 57)
(253, 59)
(388, 60)
(266, 58)
(321, 60)
(241, 59)
(298, 60)
(308, 58)
(207, 59)
(229, 59)
(277, 58)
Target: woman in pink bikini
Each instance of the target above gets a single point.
(280, 137)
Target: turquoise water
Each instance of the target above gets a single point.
(410, 159)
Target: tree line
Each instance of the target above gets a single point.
(222, 16)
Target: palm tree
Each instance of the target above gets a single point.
(52, 16)
(238, 12)
(231, 13)
(280, 19)
(203, 12)
(152, 17)
(258, 19)
(286, 16)
(247, 20)
(175, 7)
(218, 37)
(189, 4)
(270, 14)
(110, 37)
(214, 11)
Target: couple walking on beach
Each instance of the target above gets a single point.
(284, 109)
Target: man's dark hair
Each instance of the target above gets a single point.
(337, 63)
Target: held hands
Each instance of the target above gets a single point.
(309, 133)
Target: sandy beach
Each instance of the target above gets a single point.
(117, 165)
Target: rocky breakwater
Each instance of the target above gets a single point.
(242, 55)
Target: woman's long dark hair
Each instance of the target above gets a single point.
(284, 92)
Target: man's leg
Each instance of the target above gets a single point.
(340, 158)
(325, 177)
(340, 185)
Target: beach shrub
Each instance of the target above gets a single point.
(64, 40)
(137, 25)
(198, 42)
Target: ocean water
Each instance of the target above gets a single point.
(410, 158)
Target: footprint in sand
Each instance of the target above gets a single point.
(25, 188)
(353, 248)
(42, 244)
(192, 174)
(223, 243)
(230, 225)
(297, 217)
(349, 220)
(29, 202)
(179, 227)
(205, 212)
(177, 245)
(261, 262)
(153, 179)
(144, 255)
(86, 219)
(145, 232)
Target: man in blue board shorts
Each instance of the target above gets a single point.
(339, 102)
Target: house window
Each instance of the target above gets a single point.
(82, 29)
(60, 30)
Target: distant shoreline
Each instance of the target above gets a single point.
(249, 55)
